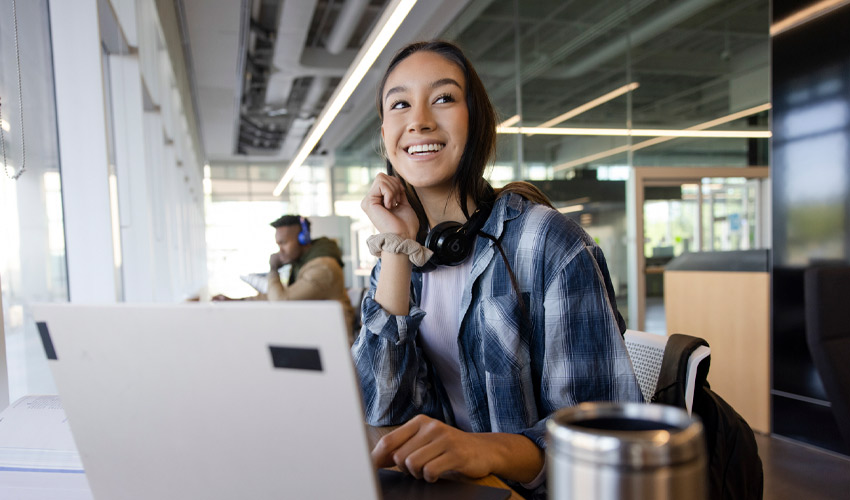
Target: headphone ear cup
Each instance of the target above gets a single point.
(448, 242)
(304, 234)
(452, 241)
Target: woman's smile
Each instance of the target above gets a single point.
(424, 149)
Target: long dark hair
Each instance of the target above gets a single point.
(480, 148)
(479, 151)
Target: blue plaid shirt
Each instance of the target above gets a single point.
(516, 368)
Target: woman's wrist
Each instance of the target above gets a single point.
(398, 244)
(512, 456)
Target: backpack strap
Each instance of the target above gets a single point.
(670, 388)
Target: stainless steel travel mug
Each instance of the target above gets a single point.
(606, 451)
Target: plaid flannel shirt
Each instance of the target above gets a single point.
(516, 367)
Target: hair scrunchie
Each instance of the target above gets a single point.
(393, 243)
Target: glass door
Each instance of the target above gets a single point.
(682, 210)
(671, 222)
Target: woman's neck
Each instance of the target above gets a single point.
(443, 206)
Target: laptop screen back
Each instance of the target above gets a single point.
(220, 400)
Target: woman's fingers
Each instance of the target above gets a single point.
(387, 207)
(428, 461)
(388, 189)
(442, 465)
(426, 449)
(382, 454)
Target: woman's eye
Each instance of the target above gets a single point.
(398, 105)
(444, 99)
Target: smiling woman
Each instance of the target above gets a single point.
(425, 123)
(521, 316)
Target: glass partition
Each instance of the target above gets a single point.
(603, 72)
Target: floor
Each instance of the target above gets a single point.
(794, 471)
(655, 321)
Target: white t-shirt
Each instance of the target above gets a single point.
(442, 289)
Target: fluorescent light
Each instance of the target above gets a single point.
(5, 125)
(803, 16)
(590, 104)
(574, 208)
(390, 20)
(510, 121)
(659, 140)
(636, 132)
(731, 117)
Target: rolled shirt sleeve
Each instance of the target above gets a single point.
(394, 374)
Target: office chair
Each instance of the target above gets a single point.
(734, 468)
(646, 351)
(828, 335)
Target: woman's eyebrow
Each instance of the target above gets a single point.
(395, 90)
(446, 81)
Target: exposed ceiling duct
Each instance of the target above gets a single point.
(349, 16)
(285, 92)
(337, 41)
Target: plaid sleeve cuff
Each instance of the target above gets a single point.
(396, 329)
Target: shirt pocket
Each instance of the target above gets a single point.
(505, 348)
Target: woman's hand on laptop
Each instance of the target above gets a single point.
(428, 449)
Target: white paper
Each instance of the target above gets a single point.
(15, 485)
(35, 436)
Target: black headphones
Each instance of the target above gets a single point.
(452, 241)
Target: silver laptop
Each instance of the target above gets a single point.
(218, 401)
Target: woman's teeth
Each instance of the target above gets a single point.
(424, 148)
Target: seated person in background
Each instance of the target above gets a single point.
(316, 272)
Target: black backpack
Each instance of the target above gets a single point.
(734, 467)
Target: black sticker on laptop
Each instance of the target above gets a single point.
(45, 340)
(296, 358)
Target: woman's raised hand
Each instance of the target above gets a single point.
(387, 207)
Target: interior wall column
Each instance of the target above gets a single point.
(81, 124)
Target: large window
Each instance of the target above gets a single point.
(32, 253)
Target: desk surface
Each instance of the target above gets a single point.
(69, 483)
(375, 434)
(34, 485)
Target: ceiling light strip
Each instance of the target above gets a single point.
(571, 209)
(510, 121)
(658, 140)
(635, 132)
(591, 104)
(805, 15)
(391, 19)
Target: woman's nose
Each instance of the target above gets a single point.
(422, 120)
